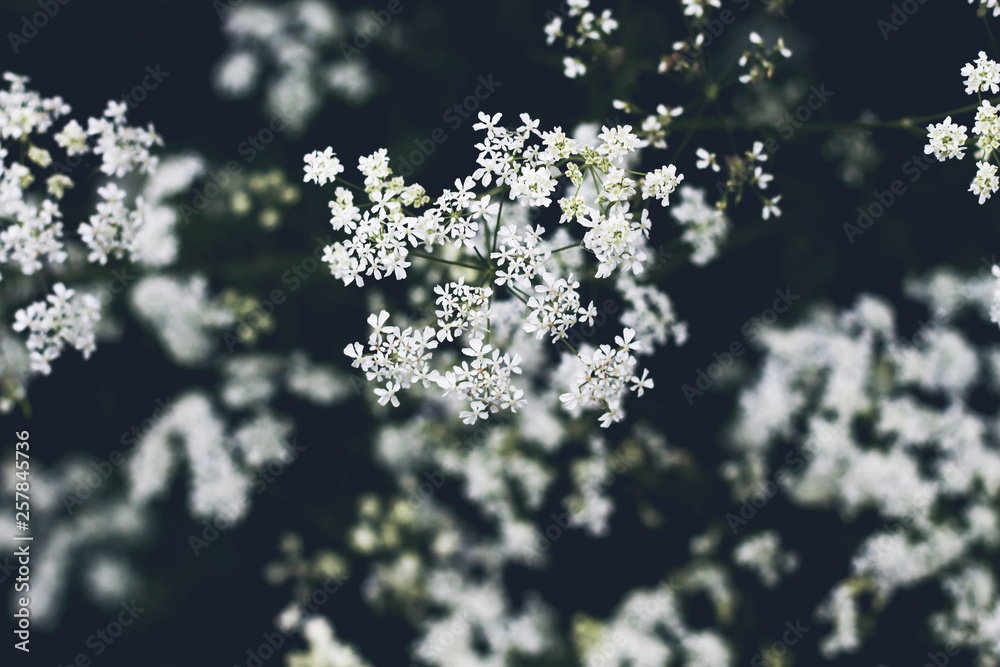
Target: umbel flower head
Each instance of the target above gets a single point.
(947, 140)
(32, 186)
(497, 268)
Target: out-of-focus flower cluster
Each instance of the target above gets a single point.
(851, 415)
(302, 50)
(585, 37)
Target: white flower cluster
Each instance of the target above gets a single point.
(32, 235)
(650, 314)
(485, 383)
(303, 42)
(556, 308)
(35, 230)
(995, 306)
(182, 315)
(219, 487)
(113, 229)
(123, 148)
(947, 140)
(75, 545)
(462, 308)
(700, 9)
(64, 318)
(705, 226)
(322, 167)
(506, 255)
(395, 358)
(648, 629)
(604, 376)
(155, 243)
(325, 650)
(851, 396)
(763, 555)
(758, 60)
(587, 36)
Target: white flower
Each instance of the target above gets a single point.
(388, 394)
(615, 239)
(182, 315)
(661, 183)
(113, 229)
(322, 167)
(699, 8)
(982, 76)
(556, 307)
(72, 138)
(986, 182)
(553, 29)
(618, 141)
(705, 225)
(124, 148)
(485, 383)
(988, 128)
(24, 112)
(604, 378)
(395, 358)
(462, 308)
(62, 319)
(706, 160)
(572, 67)
(771, 207)
(946, 140)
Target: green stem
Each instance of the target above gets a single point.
(567, 247)
(989, 31)
(690, 132)
(906, 123)
(432, 258)
(496, 230)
